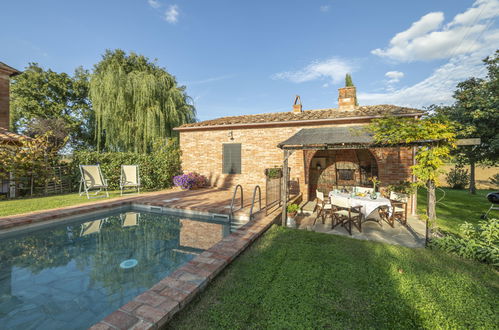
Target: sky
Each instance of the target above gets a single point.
(247, 57)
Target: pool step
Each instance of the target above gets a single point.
(237, 223)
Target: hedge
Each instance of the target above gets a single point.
(156, 169)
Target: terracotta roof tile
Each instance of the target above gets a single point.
(321, 114)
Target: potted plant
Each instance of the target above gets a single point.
(273, 173)
(292, 210)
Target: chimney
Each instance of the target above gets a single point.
(347, 98)
(5, 73)
(297, 105)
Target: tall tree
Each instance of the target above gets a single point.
(477, 111)
(45, 95)
(136, 102)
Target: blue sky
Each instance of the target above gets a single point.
(245, 57)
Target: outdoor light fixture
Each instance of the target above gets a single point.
(319, 167)
(231, 135)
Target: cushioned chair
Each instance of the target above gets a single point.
(323, 207)
(345, 215)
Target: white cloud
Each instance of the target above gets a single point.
(325, 8)
(427, 39)
(171, 14)
(333, 69)
(154, 3)
(394, 76)
(439, 87)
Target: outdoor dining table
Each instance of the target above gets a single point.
(367, 204)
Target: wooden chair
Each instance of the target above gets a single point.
(323, 207)
(346, 215)
(399, 205)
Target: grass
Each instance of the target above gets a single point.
(456, 207)
(25, 205)
(298, 279)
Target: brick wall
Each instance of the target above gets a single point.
(4, 100)
(202, 153)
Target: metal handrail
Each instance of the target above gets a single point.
(253, 200)
(233, 199)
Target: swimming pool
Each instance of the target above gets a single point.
(76, 272)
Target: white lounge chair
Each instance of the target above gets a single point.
(91, 227)
(91, 179)
(130, 178)
(130, 219)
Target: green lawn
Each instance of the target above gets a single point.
(294, 279)
(456, 207)
(18, 206)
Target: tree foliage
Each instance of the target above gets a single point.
(476, 111)
(39, 94)
(136, 102)
(348, 80)
(440, 136)
(33, 157)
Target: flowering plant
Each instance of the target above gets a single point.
(375, 181)
(190, 181)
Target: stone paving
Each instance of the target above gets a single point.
(412, 235)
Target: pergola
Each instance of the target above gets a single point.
(337, 138)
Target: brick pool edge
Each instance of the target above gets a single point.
(156, 306)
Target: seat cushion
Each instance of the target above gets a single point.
(328, 207)
(398, 209)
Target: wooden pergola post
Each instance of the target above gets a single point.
(284, 190)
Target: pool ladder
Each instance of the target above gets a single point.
(251, 215)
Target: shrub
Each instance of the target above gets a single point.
(156, 169)
(494, 179)
(479, 242)
(458, 178)
(403, 187)
(293, 208)
(190, 181)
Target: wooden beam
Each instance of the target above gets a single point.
(469, 142)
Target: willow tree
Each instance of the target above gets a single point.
(136, 102)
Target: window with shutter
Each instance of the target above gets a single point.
(231, 158)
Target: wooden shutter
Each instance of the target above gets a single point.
(231, 158)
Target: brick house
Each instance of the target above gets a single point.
(238, 149)
(7, 139)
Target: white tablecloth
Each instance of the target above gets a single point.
(368, 205)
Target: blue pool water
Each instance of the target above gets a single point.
(74, 274)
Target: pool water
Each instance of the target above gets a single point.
(74, 274)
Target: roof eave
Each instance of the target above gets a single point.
(291, 122)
